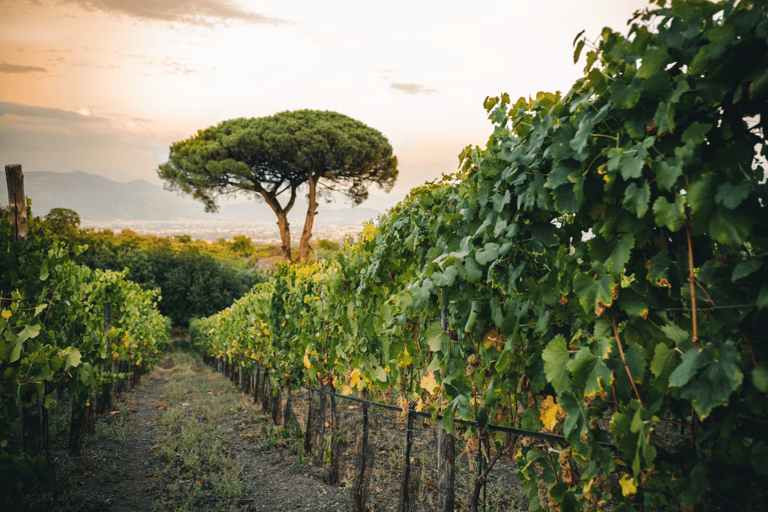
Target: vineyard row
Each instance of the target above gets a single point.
(65, 331)
(569, 262)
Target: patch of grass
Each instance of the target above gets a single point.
(113, 426)
(205, 477)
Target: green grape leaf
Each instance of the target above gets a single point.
(30, 331)
(73, 357)
(15, 352)
(760, 377)
(488, 253)
(690, 364)
(701, 200)
(730, 227)
(470, 271)
(745, 268)
(580, 367)
(663, 360)
(633, 303)
(681, 337)
(437, 339)
(637, 198)
(445, 279)
(621, 252)
(626, 96)
(667, 172)
(556, 356)
(696, 133)
(590, 291)
(671, 215)
(497, 315)
(715, 380)
(654, 60)
(731, 196)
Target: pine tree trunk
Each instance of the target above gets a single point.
(310, 219)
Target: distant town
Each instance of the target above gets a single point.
(211, 230)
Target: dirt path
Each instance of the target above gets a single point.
(143, 457)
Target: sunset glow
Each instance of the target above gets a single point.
(105, 87)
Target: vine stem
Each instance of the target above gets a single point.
(694, 335)
(691, 277)
(623, 357)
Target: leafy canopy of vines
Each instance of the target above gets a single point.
(604, 253)
(52, 338)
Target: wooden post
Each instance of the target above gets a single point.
(32, 418)
(405, 491)
(276, 403)
(309, 430)
(288, 411)
(17, 202)
(365, 463)
(256, 385)
(446, 498)
(320, 426)
(334, 472)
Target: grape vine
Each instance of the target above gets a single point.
(53, 338)
(602, 265)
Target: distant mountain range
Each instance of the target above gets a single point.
(99, 199)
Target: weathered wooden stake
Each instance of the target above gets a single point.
(334, 475)
(288, 411)
(32, 418)
(256, 385)
(446, 498)
(276, 402)
(17, 202)
(405, 491)
(309, 430)
(320, 426)
(363, 478)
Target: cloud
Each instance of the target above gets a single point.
(6, 67)
(17, 109)
(412, 88)
(192, 12)
(46, 139)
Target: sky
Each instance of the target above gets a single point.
(106, 86)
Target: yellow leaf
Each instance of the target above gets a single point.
(355, 378)
(548, 413)
(7, 314)
(138, 363)
(493, 338)
(405, 359)
(346, 390)
(628, 486)
(428, 383)
(307, 364)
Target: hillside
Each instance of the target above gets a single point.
(98, 199)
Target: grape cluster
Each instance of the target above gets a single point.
(545, 501)
(593, 494)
